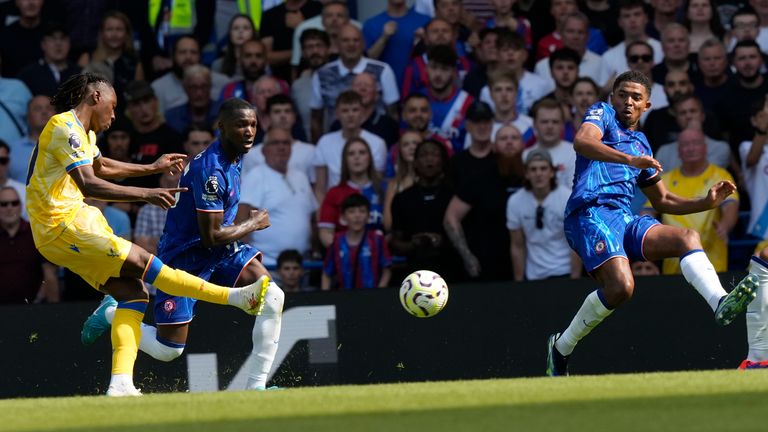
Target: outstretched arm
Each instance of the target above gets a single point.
(107, 168)
(588, 143)
(94, 187)
(666, 202)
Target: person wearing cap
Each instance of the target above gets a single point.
(53, 68)
(535, 221)
(474, 220)
(151, 136)
(614, 159)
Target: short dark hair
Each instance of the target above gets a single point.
(355, 200)
(349, 97)
(181, 38)
(488, 30)
(443, 55)
(280, 99)
(589, 81)
(635, 77)
(685, 97)
(564, 54)
(509, 39)
(232, 105)
(197, 127)
(414, 95)
(546, 103)
(632, 4)
(745, 10)
(290, 256)
(314, 34)
(747, 43)
(636, 43)
(441, 148)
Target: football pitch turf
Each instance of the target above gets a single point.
(681, 401)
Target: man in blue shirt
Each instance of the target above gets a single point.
(613, 157)
(201, 237)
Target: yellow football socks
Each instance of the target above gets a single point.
(126, 333)
(180, 283)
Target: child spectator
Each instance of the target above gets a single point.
(358, 257)
(290, 271)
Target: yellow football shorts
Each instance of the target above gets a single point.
(89, 248)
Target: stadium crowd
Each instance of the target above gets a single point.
(435, 134)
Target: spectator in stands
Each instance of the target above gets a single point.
(390, 34)
(714, 74)
(315, 48)
(335, 15)
(358, 257)
(512, 55)
(14, 97)
(584, 94)
(640, 59)
(253, 63)
(703, 22)
(632, 20)
(281, 114)
(5, 180)
(151, 219)
(437, 32)
(328, 154)
(448, 102)
(115, 51)
(44, 76)
(645, 268)
(575, 30)
(404, 175)
(287, 194)
(333, 78)
(39, 110)
(375, 122)
(197, 139)
(277, 26)
(689, 113)
(169, 87)
(604, 16)
(749, 87)
(290, 271)
(20, 41)
(745, 25)
(357, 176)
(693, 179)
(240, 31)
(508, 146)
(200, 108)
(560, 9)
(754, 165)
(504, 16)
(504, 90)
(27, 277)
(151, 136)
(535, 216)
(486, 57)
(660, 126)
(416, 116)
(474, 220)
(564, 70)
(665, 12)
(462, 22)
(548, 123)
(417, 215)
(761, 7)
(675, 45)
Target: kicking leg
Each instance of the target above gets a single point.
(266, 328)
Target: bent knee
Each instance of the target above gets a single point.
(168, 353)
(691, 239)
(619, 292)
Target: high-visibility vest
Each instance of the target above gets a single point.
(252, 8)
(182, 15)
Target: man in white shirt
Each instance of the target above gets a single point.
(285, 192)
(575, 35)
(548, 123)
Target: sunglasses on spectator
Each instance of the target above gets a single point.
(646, 58)
(4, 160)
(10, 203)
(539, 217)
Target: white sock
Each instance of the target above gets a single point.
(266, 335)
(757, 314)
(121, 380)
(149, 343)
(699, 272)
(591, 313)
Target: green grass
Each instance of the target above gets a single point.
(684, 401)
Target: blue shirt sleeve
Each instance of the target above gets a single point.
(599, 115)
(208, 189)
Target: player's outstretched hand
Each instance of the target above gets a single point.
(719, 192)
(172, 161)
(644, 162)
(164, 197)
(260, 218)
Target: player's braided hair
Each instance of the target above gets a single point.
(74, 90)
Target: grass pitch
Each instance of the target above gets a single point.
(682, 401)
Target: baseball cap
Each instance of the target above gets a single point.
(138, 90)
(538, 154)
(479, 111)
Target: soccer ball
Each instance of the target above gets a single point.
(423, 293)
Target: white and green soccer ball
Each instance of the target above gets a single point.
(423, 293)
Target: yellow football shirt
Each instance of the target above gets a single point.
(53, 198)
(703, 222)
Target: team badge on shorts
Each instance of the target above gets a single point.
(600, 246)
(74, 141)
(169, 305)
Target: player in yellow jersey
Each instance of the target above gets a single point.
(65, 167)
